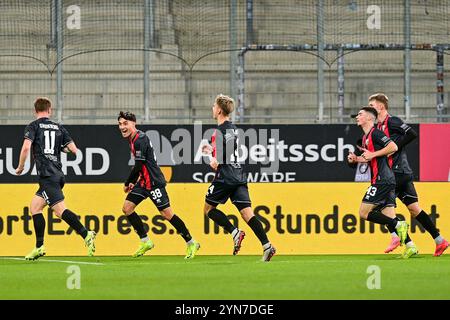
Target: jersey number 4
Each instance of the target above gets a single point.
(49, 137)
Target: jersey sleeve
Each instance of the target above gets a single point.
(403, 134)
(397, 125)
(380, 138)
(30, 132)
(230, 143)
(66, 138)
(141, 148)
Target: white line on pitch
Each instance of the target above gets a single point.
(241, 262)
(61, 261)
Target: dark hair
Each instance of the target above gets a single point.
(370, 110)
(127, 116)
(42, 104)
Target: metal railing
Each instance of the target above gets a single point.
(237, 75)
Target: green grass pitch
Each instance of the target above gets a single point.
(226, 277)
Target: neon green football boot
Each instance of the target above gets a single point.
(409, 251)
(90, 242)
(143, 248)
(36, 253)
(192, 250)
(402, 230)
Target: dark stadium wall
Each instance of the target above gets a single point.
(272, 153)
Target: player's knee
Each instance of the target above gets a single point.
(35, 209)
(167, 213)
(244, 208)
(37, 205)
(127, 209)
(414, 211)
(363, 214)
(57, 212)
(247, 215)
(207, 209)
(59, 208)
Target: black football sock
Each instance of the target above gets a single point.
(137, 224)
(181, 228)
(407, 239)
(428, 224)
(391, 229)
(73, 221)
(257, 228)
(39, 228)
(221, 219)
(378, 217)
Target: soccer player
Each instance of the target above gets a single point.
(402, 134)
(47, 139)
(147, 181)
(379, 201)
(230, 180)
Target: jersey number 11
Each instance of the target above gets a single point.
(49, 142)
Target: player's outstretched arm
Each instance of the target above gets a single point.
(213, 163)
(354, 157)
(133, 177)
(23, 156)
(70, 148)
(390, 148)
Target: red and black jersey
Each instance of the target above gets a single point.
(150, 176)
(48, 139)
(396, 129)
(225, 149)
(380, 169)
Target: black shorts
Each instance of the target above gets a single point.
(381, 195)
(218, 193)
(50, 188)
(405, 189)
(158, 195)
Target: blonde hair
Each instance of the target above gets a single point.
(382, 98)
(225, 103)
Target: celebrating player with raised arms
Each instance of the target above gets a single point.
(147, 181)
(230, 180)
